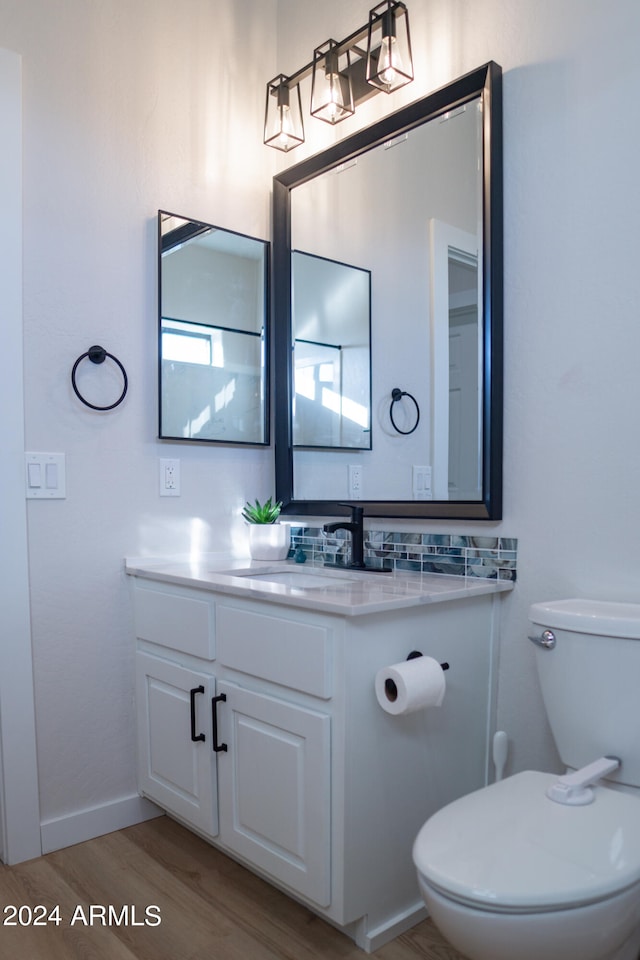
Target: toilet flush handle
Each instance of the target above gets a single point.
(574, 789)
(546, 640)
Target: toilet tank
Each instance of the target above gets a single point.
(590, 681)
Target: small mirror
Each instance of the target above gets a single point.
(331, 317)
(213, 310)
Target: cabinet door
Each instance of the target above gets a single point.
(176, 765)
(274, 788)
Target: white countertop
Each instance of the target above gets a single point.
(344, 591)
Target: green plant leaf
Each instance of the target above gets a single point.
(268, 512)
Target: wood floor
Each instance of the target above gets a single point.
(210, 907)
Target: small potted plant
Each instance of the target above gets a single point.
(268, 539)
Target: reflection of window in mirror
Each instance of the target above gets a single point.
(186, 343)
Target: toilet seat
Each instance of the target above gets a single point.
(509, 848)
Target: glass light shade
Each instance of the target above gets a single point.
(283, 126)
(389, 60)
(331, 93)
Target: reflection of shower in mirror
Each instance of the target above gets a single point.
(213, 286)
(331, 354)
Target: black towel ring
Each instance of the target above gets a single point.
(397, 394)
(98, 355)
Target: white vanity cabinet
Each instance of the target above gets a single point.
(259, 727)
(234, 760)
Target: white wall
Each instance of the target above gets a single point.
(127, 108)
(19, 811)
(572, 289)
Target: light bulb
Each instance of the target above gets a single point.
(331, 98)
(286, 127)
(335, 105)
(389, 62)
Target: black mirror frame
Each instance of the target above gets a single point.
(486, 82)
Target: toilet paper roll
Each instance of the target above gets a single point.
(410, 685)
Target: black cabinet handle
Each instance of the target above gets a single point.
(192, 697)
(214, 722)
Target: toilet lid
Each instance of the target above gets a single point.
(509, 846)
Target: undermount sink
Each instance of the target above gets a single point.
(302, 579)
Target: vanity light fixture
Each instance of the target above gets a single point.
(344, 73)
(283, 126)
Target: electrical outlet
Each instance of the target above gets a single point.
(169, 477)
(355, 481)
(421, 485)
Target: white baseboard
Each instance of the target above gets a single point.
(96, 821)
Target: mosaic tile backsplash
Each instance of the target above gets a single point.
(452, 554)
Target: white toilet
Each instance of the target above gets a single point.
(512, 873)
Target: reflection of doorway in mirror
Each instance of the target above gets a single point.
(464, 459)
(456, 371)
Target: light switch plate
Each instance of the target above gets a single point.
(45, 476)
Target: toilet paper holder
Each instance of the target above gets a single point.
(416, 653)
(389, 685)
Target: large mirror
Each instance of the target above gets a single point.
(415, 201)
(213, 312)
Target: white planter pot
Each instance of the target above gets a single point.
(269, 541)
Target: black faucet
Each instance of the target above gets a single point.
(356, 527)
